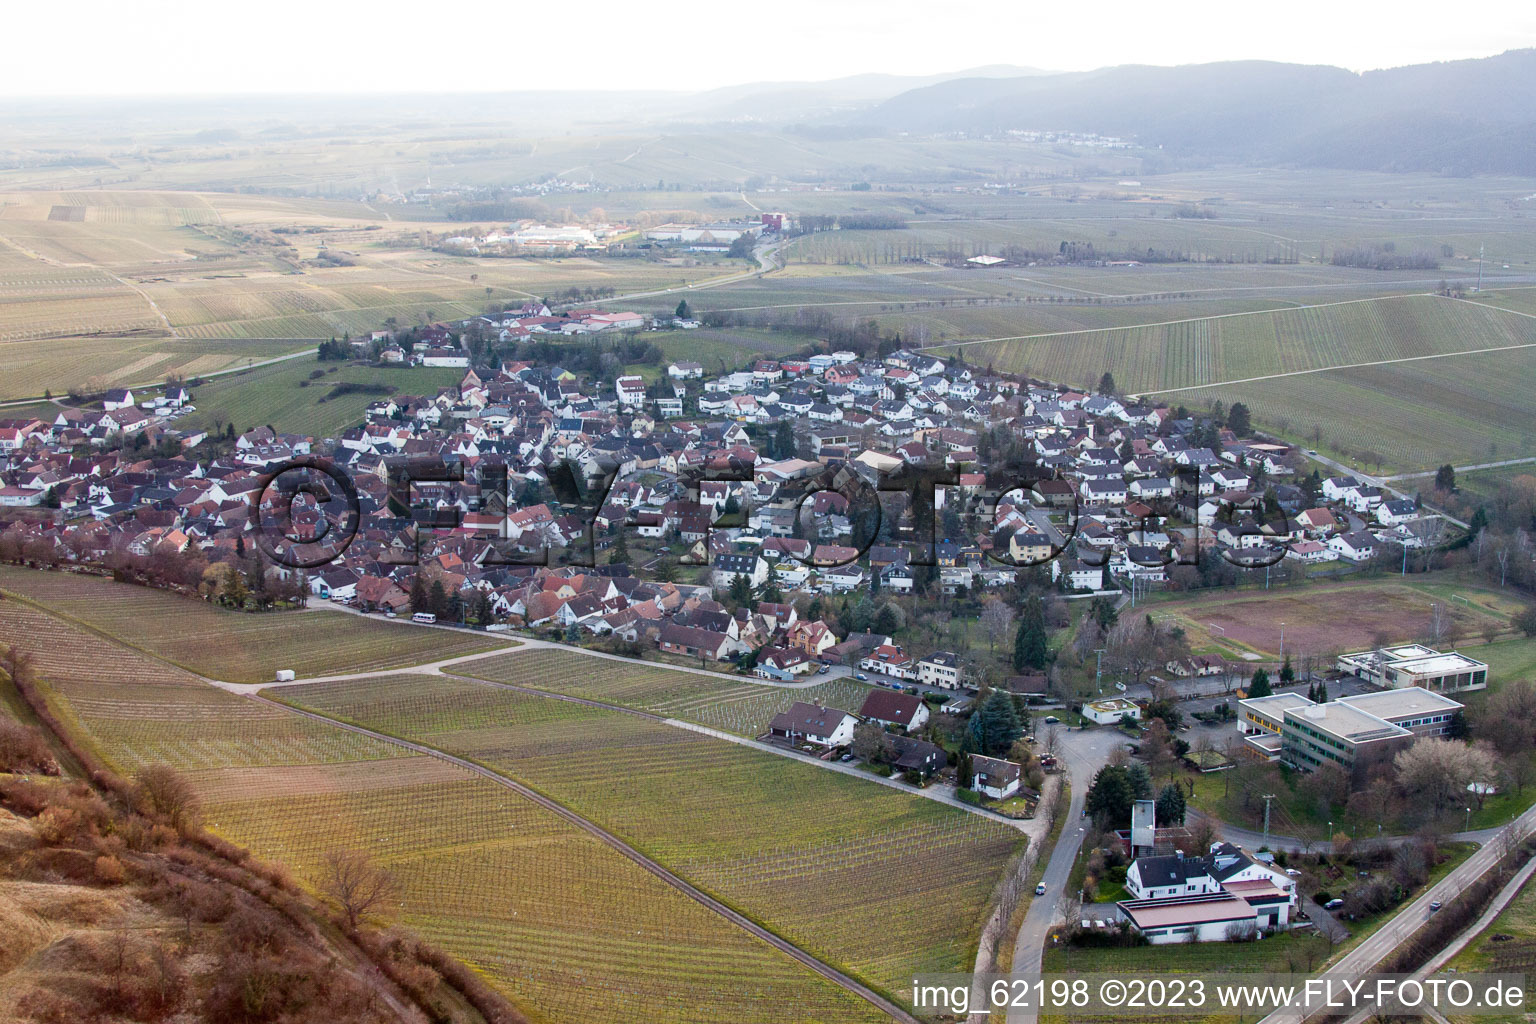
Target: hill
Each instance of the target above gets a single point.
(1459, 117)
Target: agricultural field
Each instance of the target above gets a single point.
(283, 395)
(137, 711)
(824, 859)
(566, 926)
(1333, 618)
(1508, 945)
(29, 369)
(237, 647)
(743, 708)
(1161, 359)
(1407, 417)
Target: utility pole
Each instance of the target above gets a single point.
(1479, 269)
(1267, 798)
(1282, 641)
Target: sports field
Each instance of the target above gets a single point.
(880, 883)
(238, 647)
(1332, 618)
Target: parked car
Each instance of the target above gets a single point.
(1333, 904)
(1120, 687)
(861, 677)
(1040, 889)
(846, 758)
(824, 670)
(1051, 719)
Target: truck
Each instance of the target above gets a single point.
(285, 675)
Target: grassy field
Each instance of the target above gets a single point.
(829, 861)
(238, 647)
(283, 395)
(1513, 951)
(745, 708)
(568, 927)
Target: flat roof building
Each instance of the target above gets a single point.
(1416, 665)
(1289, 727)
(1338, 733)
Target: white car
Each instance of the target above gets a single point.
(1040, 889)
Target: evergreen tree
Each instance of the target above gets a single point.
(1109, 798)
(619, 553)
(1107, 383)
(1030, 649)
(995, 725)
(1170, 805)
(1287, 674)
(684, 311)
(1237, 420)
(437, 599)
(418, 594)
(741, 590)
(1259, 687)
(483, 611)
(784, 440)
(1139, 775)
(1322, 692)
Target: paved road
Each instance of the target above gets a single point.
(1389, 936)
(1084, 753)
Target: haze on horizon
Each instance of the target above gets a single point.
(180, 48)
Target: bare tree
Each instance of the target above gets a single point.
(162, 790)
(996, 618)
(356, 884)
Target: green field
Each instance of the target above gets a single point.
(568, 927)
(881, 883)
(238, 647)
(745, 708)
(283, 395)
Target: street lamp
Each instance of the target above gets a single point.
(1468, 826)
(1282, 642)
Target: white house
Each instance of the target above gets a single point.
(1357, 546)
(812, 723)
(994, 777)
(941, 669)
(1110, 710)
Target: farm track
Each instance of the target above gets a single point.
(1341, 366)
(790, 949)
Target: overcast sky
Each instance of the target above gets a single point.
(95, 47)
